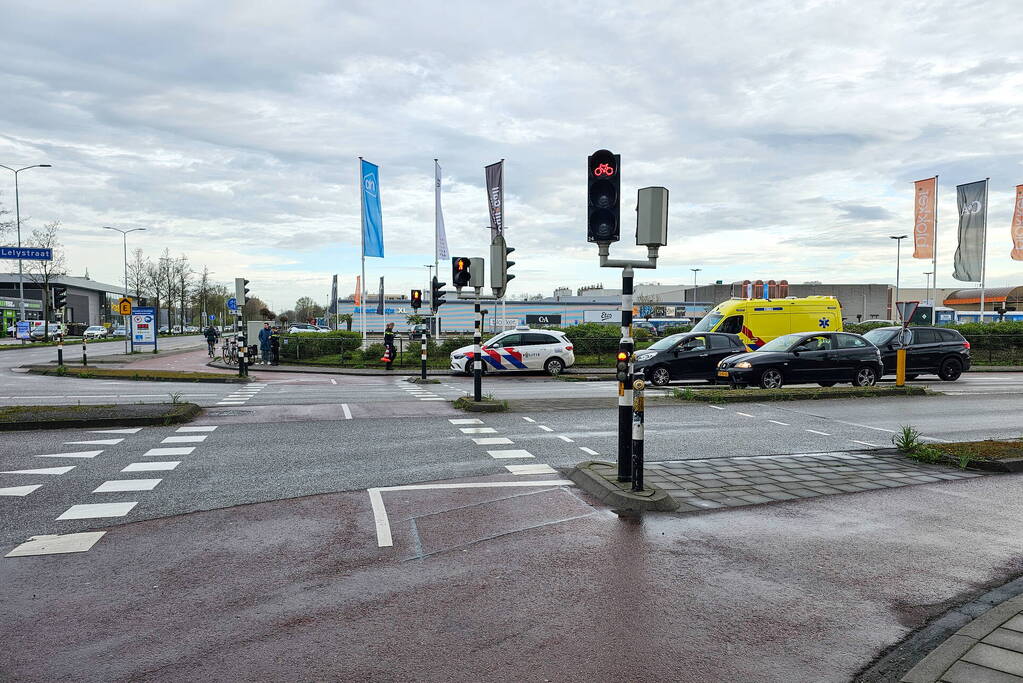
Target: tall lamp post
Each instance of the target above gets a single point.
(429, 288)
(898, 264)
(929, 273)
(692, 314)
(124, 238)
(17, 213)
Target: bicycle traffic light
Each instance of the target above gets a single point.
(417, 298)
(603, 186)
(437, 295)
(499, 265)
(59, 298)
(241, 291)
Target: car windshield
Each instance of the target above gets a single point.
(782, 343)
(666, 343)
(708, 322)
(95, 328)
(881, 335)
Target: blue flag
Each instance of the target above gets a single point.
(372, 222)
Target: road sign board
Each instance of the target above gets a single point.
(124, 306)
(906, 310)
(212, 317)
(143, 325)
(232, 305)
(29, 253)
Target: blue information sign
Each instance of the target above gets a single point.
(30, 253)
(143, 325)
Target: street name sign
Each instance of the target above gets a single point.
(29, 253)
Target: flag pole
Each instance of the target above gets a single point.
(983, 253)
(362, 284)
(934, 262)
(435, 323)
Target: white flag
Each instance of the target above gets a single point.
(441, 239)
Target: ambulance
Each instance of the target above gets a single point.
(758, 321)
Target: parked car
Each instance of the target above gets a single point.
(929, 351)
(295, 328)
(520, 349)
(691, 355)
(417, 330)
(823, 357)
(323, 328)
(119, 331)
(95, 332)
(758, 321)
(163, 329)
(191, 329)
(176, 329)
(37, 331)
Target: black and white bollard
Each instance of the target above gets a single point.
(477, 356)
(85, 355)
(60, 351)
(422, 357)
(637, 434)
(626, 347)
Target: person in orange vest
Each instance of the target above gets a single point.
(389, 345)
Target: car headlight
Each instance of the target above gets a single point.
(744, 364)
(457, 356)
(645, 356)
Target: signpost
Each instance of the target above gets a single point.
(24, 330)
(143, 326)
(124, 308)
(906, 310)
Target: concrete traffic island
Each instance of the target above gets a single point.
(16, 418)
(487, 405)
(600, 479)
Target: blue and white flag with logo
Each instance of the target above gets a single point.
(372, 221)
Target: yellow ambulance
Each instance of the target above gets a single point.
(758, 321)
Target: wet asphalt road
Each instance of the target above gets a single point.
(491, 586)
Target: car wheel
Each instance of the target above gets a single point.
(554, 366)
(950, 370)
(866, 376)
(827, 384)
(771, 378)
(660, 376)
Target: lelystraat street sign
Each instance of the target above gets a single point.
(29, 253)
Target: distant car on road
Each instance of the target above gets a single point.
(520, 349)
(929, 351)
(690, 355)
(38, 332)
(826, 358)
(191, 329)
(95, 332)
(119, 331)
(296, 328)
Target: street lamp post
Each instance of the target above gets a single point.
(898, 262)
(124, 238)
(17, 214)
(692, 314)
(429, 288)
(929, 273)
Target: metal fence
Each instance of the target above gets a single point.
(996, 349)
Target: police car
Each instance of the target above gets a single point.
(519, 349)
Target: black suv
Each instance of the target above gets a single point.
(929, 351)
(690, 355)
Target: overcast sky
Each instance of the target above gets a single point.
(789, 133)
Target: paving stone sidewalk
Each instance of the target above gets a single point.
(989, 649)
(730, 482)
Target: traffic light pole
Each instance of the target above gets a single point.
(477, 354)
(626, 345)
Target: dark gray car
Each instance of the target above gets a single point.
(690, 355)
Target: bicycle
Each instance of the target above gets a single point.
(230, 351)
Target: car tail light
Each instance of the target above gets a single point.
(966, 344)
(568, 348)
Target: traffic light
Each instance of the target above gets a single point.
(603, 192)
(460, 271)
(622, 367)
(499, 265)
(417, 298)
(241, 291)
(59, 297)
(437, 295)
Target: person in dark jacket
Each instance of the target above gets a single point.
(389, 345)
(264, 343)
(275, 346)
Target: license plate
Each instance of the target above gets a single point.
(722, 373)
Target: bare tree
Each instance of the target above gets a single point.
(183, 274)
(138, 274)
(6, 224)
(44, 272)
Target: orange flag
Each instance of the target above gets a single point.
(358, 290)
(923, 218)
(1017, 226)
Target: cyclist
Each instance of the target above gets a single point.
(211, 335)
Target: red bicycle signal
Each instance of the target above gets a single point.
(604, 169)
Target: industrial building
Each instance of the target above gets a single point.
(88, 301)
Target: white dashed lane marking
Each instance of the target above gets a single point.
(19, 490)
(529, 419)
(179, 450)
(466, 421)
(79, 454)
(195, 429)
(94, 442)
(122, 485)
(866, 443)
(743, 414)
(493, 441)
(565, 438)
(511, 453)
(43, 470)
(783, 424)
(478, 430)
(588, 451)
(53, 544)
(185, 439)
(152, 466)
(133, 430)
(545, 428)
(97, 510)
(530, 469)
(814, 431)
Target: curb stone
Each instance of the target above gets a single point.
(600, 480)
(187, 413)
